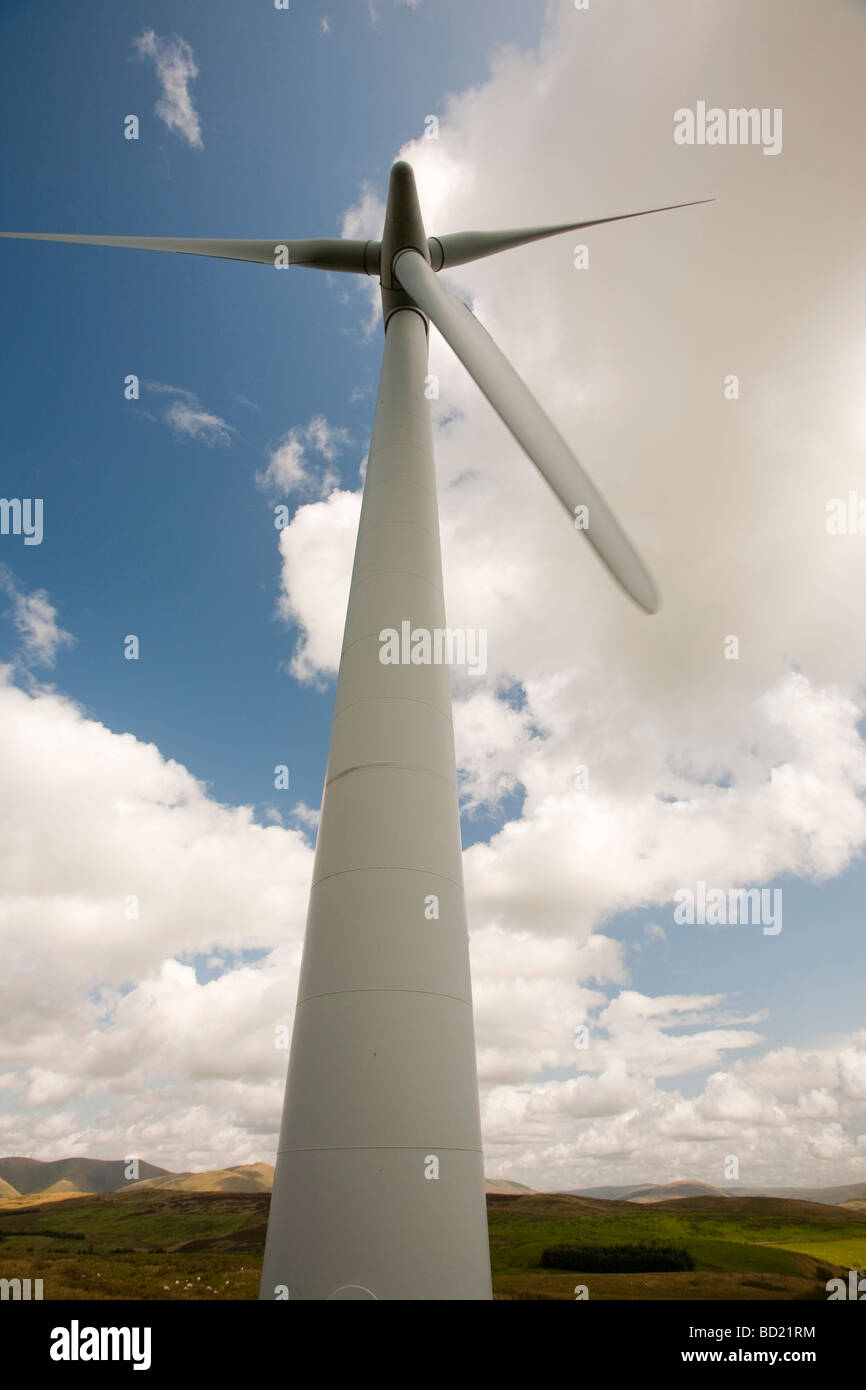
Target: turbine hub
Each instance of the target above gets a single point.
(404, 228)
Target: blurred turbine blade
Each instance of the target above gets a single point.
(321, 253)
(458, 248)
(519, 410)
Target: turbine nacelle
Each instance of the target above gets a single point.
(403, 231)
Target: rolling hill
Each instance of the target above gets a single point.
(70, 1175)
(674, 1191)
(245, 1177)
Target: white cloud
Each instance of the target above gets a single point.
(492, 740)
(699, 767)
(364, 221)
(289, 468)
(584, 1130)
(99, 1004)
(175, 68)
(315, 576)
(35, 619)
(187, 418)
(195, 423)
(306, 815)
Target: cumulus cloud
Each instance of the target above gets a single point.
(492, 739)
(313, 560)
(175, 68)
(699, 766)
(765, 1112)
(107, 902)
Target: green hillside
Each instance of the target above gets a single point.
(742, 1247)
(157, 1243)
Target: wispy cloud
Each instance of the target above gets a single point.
(289, 467)
(195, 423)
(35, 620)
(187, 418)
(653, 932)
(175, 68)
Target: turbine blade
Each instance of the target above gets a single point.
(519, 410)
(458, 248)
(321, 253)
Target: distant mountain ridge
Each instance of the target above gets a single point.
(24, 1177)
(27, 1176)
(80, 1176)
(846, 1193)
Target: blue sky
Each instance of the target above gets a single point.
(165, 532)
(293, 122)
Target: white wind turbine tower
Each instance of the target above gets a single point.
(379, 1182)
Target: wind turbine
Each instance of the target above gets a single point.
(379, 1182)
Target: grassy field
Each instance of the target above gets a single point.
(160, 1244)
(148, 1244)
(743, 1248)
(850, 1252)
